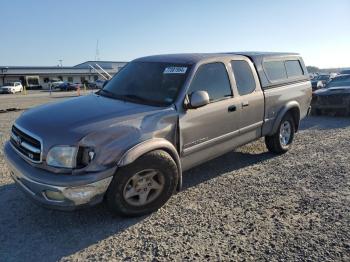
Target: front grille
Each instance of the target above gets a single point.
(332, 99)
(26, 144)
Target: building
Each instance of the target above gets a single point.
(42, 76)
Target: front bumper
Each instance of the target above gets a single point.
(331, 102)
(330, 107)
(58, 191)
(6, 91)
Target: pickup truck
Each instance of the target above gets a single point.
(129, 143)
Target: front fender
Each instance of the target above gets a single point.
(149, 145)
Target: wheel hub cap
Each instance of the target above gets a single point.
(285, 133)
(143, 187)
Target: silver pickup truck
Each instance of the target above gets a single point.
(129, 143)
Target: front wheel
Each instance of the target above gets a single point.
(143, 186)
(281, 141)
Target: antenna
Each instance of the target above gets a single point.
(97, 53)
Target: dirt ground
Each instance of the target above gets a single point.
(246, 205)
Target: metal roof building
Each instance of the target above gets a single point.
(41, 76)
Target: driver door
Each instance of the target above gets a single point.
(205, 130)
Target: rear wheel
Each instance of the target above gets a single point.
(281, 141)
(143, 186)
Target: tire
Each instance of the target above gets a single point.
(274, 144)
(117, 196)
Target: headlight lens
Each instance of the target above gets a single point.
(62, 156)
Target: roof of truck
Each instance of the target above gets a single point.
(258, 58)
(191, 58)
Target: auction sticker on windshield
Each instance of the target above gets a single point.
(175, 70)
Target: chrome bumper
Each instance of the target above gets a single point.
(55, 196)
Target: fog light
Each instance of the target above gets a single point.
(54, 195)
(80, 195)
(83, 194)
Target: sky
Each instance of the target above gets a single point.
(41, 32)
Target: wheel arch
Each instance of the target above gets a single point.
(150, 145)
(291, 107)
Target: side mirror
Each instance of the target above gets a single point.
(199, 99)
(105, 83)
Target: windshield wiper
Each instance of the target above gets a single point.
(134, 97)
(107, 93)
(126, 97)
(142, 100)
(129, 98)
(110, 94)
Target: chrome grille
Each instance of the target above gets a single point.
(26, 144)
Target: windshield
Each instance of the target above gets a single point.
(323, 78)
(150, 83)
(339, 81)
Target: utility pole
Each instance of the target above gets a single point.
(97, 52)
(3, 71)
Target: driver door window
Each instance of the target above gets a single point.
(212, 78)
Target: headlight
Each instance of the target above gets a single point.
(84, 156)
(62, 156)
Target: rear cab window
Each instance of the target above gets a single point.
(283, 70)
(275, 70)
(293, 68)
(212, 78)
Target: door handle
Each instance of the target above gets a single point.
(232, 108)
(245, 104)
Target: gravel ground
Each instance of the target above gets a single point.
(245, 205)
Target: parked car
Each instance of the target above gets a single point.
(99, 83)
(332, 75)
(91, 85)
(12, 88)
(320, 81)
(345, 72)
(334, 98)
(55, 84)
(130, 142)
(66, 86)
(313, 75)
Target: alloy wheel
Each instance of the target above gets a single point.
(143, 187)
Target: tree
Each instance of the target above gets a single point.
(312, 69)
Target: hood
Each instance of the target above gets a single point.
(7, 87)
(333, 90)
(69, 121)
